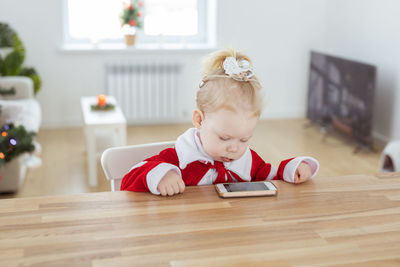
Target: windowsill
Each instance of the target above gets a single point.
(137, 48)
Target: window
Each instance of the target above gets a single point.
(179, 22)
(166, 17)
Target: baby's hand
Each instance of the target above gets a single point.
(171, 184)
(303, 173)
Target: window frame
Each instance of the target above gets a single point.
(206, 37)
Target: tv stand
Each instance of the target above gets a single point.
(328, 130)
(369, 147)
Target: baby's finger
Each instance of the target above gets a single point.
(304, 177)
(170, 190)
(181, 186)
(162, 190)
(175, 186)
(297, 177)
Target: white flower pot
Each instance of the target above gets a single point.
(12, 174)
(130, 39)
(130, 35)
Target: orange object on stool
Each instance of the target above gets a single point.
(101, 100)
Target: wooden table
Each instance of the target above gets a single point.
(113, 121)
(329, 221)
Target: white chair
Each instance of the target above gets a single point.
(117, 161)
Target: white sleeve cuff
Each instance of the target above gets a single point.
(154, 176)
(272, 173)
(291, 167)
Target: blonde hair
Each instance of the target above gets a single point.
(218, 90)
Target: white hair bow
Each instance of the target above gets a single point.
(239, 70)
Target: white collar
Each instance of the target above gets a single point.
(189, 149)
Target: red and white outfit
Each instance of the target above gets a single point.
(196, 167)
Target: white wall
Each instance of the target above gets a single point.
(277, 34)
(369, 31)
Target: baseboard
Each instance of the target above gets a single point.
(61, 124)
(380, 139)
(283, 114)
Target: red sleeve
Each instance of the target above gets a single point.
(135, 180)
(281, 168)
(260, 170)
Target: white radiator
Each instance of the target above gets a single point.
(146, 93)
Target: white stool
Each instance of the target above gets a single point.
(98, 126)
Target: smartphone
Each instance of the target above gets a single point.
(246, 189)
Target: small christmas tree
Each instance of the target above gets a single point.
(14, 141)
(131, 14)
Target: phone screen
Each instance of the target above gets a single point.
(238, 187)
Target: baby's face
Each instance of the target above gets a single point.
(225, 134)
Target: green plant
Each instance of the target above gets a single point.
(132, 15)
(11, 64)
(31, 73)
(6, 36)
(14, 141)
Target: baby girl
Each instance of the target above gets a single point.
(229, 104)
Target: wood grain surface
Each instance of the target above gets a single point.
(340, 221)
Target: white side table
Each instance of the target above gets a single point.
(94, 121)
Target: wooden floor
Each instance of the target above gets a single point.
(64, 168)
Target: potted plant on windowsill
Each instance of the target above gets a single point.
(131, 20)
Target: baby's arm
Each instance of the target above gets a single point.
(294, 170)
(298, 169)
(147, 175)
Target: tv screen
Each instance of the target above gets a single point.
(341, 95)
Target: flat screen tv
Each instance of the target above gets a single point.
(341, 95)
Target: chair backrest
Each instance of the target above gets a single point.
(117, 161)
